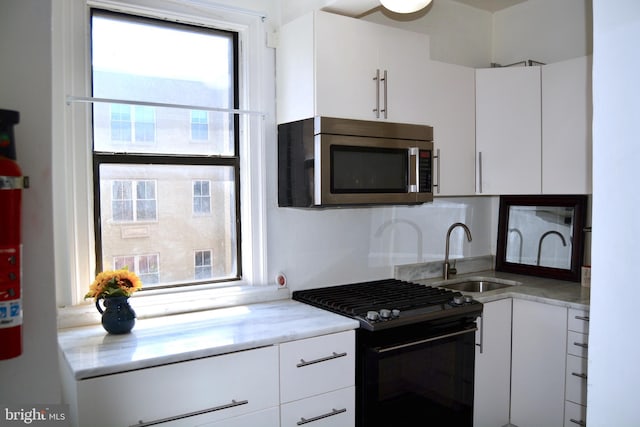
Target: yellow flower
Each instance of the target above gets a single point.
(114, 283)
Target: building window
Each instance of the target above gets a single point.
(145, 123)
(145, 266)
(203, 268)
(201, 197)
(199, 125)
(126, 207)
(120, 122)
(141, 190)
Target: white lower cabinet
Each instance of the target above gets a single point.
(538, 364)
(309, 381)
(333, 409)
(317, 381)
(493, 365)
(576, 388)
(197, 392)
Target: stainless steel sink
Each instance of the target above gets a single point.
(475, 286)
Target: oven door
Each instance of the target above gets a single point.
(428, 378)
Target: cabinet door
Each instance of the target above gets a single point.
(404, 56)
(493, 365)
(538, 364)
(450, 109)
(346, 59)
(508, 130)
(566, 127)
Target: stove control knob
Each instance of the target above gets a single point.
(372, 315)
(395, 312)
(385, 314)
(468, 299)
(458, 300)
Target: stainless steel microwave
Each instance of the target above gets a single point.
(329, 162)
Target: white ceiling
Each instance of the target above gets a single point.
(360, 7)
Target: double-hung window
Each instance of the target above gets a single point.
(166, 160)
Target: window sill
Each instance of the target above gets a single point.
(167, 304)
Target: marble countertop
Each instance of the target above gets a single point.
(540, 289)
(89, 351)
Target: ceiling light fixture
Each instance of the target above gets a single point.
(405, 6)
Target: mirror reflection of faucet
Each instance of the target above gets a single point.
(564, 242)
(446, 268)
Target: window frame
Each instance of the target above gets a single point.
(73, 213)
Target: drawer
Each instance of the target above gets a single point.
(577, 344)
(206, 390)
(574, 415)
(578, 321)
(334, 409)
(265, 418)
(576, 386)
(316, 365)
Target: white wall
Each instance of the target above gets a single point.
(25, 86)
(459, 34)
(324, 247)
(543, 30)
(614, 348)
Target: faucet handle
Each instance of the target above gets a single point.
(453, 269)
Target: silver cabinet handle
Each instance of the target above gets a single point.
(579, 375)
(585, 318)
(480, 172)
(385, 79)
(377, 80)
(579, 422)
(233, 404)
(334, 355)
(581, 344)
(481, 344)
(320, 417)
(437, 157)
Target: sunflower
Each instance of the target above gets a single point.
(114, 283)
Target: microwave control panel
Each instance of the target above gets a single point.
(424, 170)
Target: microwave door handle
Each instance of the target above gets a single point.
(414, 169)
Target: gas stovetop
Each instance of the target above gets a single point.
(389, 303)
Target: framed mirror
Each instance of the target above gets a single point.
(541, 235)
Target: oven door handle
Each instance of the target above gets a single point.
(415, 343)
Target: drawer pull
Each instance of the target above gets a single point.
(233, 404)
(581, 344)
(576, 374)
(585, 318)
(579, 422)
(320, 417)
(304, 363)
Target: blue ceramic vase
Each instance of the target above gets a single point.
(117, 317)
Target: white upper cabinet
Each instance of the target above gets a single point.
(451, 111)
(508, 130)
(337, 66)
(566, 127)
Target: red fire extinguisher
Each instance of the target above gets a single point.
(11, 185)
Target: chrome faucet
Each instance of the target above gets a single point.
(564, 242)
(446, 270)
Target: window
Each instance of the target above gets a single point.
(142, 191)
(127, 208)
(201, 197)
(199, 125)
(145, 266)
(203, 269)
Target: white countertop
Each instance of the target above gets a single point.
(539, 289)
(89, 351)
